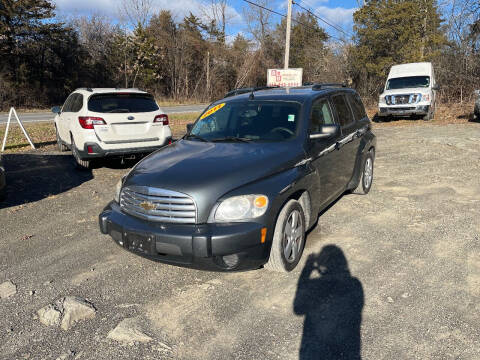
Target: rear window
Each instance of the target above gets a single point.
(345, 116)
(122, 103)
(357, 106)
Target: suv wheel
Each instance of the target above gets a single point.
(288, 238)
(79, 163)
(61, 146)
(366, 177)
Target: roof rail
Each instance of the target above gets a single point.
(325, 85)
(248, 90)
(89, 89)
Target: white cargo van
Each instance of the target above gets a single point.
(409, 91)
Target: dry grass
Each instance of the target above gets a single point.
(43, 133)
(171, 102)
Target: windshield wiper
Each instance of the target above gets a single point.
(232, 138)
(193, 136)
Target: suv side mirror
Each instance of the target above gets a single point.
(189, 127)
(56, 110)
(436, 87)
(326, 131)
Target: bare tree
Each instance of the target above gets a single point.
(137, 12)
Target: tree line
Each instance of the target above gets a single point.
(44, 58)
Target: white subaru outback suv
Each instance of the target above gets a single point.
(97, 123)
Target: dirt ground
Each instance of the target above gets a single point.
(397, 271)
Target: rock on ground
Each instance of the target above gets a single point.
(49, 315)
(74, 310)
(129, 331)
(66, 312)
(7, 289)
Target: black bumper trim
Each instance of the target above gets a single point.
(199, 246)
(98, 152)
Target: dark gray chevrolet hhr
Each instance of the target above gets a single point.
(246, 182)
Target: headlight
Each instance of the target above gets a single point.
(118, 189)
(239, 208)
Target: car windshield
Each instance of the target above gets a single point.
(248, 120)
(408, 82)
(122, 103)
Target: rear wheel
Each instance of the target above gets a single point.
(366, 177)
(79, 163)
(61, 146)
(288, 238)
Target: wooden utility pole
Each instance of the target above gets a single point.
(287, 39)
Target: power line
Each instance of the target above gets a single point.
(336, 27)
(298, 22)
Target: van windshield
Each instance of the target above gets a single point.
(408, 82)
(248, 120)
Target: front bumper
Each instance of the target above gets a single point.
(217, 247)
(403, 110)
(93, 150)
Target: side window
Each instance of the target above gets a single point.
(345, 116)
(321, 115)
(357, 106)
(77, 103)
(67, 106)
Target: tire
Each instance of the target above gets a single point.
(429, 115)
(291, 214)
(366, 176)
(61, 146)
(79, 163)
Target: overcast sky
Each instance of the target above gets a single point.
(338, 12)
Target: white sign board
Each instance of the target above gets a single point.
(284, 77)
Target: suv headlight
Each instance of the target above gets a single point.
(118, 189)
(239, 208)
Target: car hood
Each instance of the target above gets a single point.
(420, 90)
(206, 170)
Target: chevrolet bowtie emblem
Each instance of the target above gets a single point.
(148, 206)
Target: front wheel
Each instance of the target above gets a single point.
(288, 238)
(61, 146)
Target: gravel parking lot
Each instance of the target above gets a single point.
(391, 275)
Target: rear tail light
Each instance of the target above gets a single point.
(88, 122)
(163, 118)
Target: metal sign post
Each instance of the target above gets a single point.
(14, 112)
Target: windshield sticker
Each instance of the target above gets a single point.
(291, 118)
(212, 110)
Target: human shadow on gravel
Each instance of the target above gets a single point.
(32, 177)
(331, 301)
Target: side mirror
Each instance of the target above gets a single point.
(56, 110)
(436, 87)
(326, 131)
(189, 127)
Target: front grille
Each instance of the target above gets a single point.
(158, 205)
(403, 99)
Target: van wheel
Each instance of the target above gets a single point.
(61, 146)
(79, 163)
(288, 238)
(366, 177)
(429, 116)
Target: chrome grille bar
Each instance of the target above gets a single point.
(158, 205)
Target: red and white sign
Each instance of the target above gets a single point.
(284, 77)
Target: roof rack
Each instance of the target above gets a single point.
(325, 85)
(248, 90)
(89, 89)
